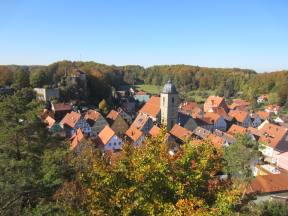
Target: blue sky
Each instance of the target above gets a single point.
(214, 33)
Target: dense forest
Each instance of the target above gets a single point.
(103, 78)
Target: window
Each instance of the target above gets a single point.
(163, 100)
(172, 123)
(115, 143)
(109, 144)
(172, 99)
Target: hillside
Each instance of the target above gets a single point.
(223, 81)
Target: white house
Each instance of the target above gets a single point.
(272, 140)
(108, 140)
(72, 121)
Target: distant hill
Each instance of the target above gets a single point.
(225, 81)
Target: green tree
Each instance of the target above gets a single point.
(30, 160)
(20, 78)
(38, 78)
(237, 163)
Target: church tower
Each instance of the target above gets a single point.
(169, 102)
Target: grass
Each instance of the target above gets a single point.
(151, 89)
(198, 96)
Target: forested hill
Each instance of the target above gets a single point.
(224, 81)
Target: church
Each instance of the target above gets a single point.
(164, 109)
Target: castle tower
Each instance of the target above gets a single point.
(169, 102)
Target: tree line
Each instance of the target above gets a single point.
(226, 82)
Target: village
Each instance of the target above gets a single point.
(215, 120)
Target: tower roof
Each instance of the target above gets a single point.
(169, 88)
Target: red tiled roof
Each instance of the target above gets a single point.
(112, 115)
(239, 104)
(92, 115)
(190, 108)
(180, 132)
(76, 139)
(221, 111)
(272, 134)
(240, 116)
(216, 140)
(211, 118)
(271, 183)
(151, 107)
(49, 121)
(106, 135)
(215, 100)
(263, 115)
(155, 131)
(140, 121)
(134, 134)
(236, 129)
(62, 107)
(71, 119)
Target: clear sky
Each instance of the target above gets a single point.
(214, 33)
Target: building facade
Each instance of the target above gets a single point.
(169, 102)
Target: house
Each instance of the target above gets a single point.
(220, 111)
(217, 141)
(263, 115)
(76, 140)
(239, 104)
(47, 94)
(236, 129)
(108, 140)
(212, 121)
(141, 96)
(127, 117)
(117, 123)
(143, 123)
(274, 109)
(213, 102)
(96, 121)
(154, 131)
(201, 133)
(272, 140)
(279, 120)
(228, 138)
(129, 106)
(72, 121)
(46, 113)
(186, 121)
(152, 108)
(135, 135)
(242, 118)
(262, 98)
(191, 108)
(282, 160)
(180, 134)
(60, 110)
(255, 120)
(269, 187)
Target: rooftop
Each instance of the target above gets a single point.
(169, 88)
